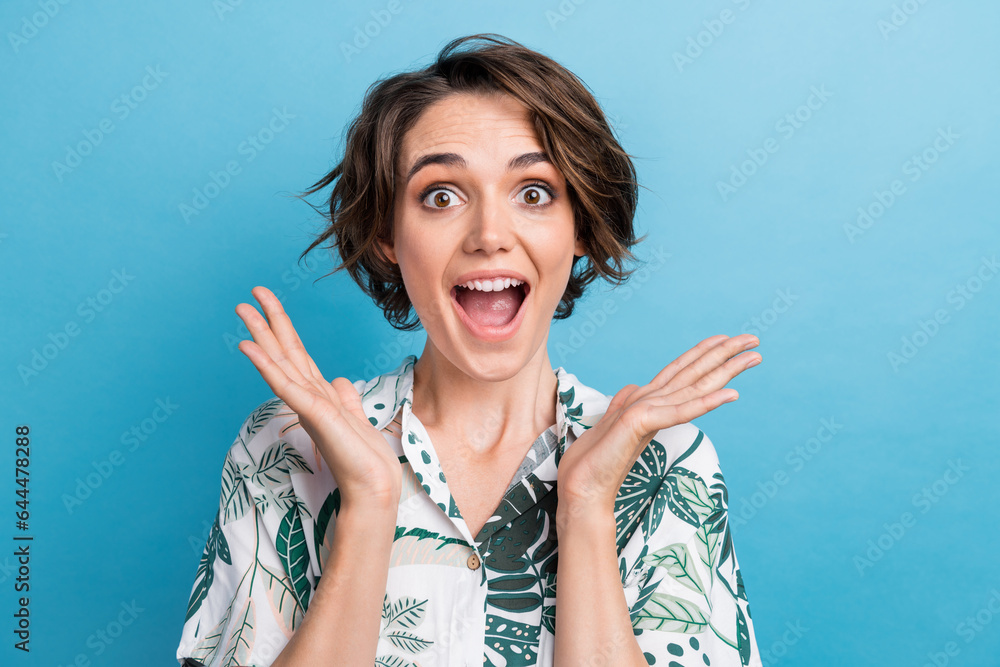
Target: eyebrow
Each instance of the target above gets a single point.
(455, 160)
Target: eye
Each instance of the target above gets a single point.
(439, 198)
(536, 195)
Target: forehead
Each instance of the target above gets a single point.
(463, 123)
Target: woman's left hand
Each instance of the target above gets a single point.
(595, 466)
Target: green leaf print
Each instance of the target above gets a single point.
(205, 574)
(259, 418)
(205, 650)
(706, 542)
(406, 612)
(276, 463)
(329, 509)
(676, 560)
(242, 638)
(638, 490)
(688, 497)
(670, 614)
(283, 597)
(407, 641)
(234, 500)
(743, 637)
(291, 546)
(515, 592)
(516, 642)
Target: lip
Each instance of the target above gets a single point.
(486, 333)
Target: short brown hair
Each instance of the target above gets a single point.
(571, 127)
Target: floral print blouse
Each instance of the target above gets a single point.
(454, 598)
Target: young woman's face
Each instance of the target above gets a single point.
(478, 209)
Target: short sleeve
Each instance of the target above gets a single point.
(688, 603)
(243, 606)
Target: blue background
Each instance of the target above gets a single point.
(813, 514)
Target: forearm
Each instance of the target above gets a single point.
(593, 626)
(341, 627)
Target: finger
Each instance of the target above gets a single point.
(348, 396)
(671, 369)
(657, 417)
(262, 335)
(285, 333)
(619, 399)
(713, 358)
(711, 381)
(295, 396)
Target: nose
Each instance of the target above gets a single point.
(491, 226)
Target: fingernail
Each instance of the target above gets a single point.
(753, 362)
(752, 343)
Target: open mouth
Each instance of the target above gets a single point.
(491, 308)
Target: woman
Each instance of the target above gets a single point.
(474, 506)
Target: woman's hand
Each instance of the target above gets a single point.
(362, 462)
(595, 466)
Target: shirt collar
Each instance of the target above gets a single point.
(578, 406)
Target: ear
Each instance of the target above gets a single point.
(388, 250)
(578, 248)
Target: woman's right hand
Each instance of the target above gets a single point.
(365, 467)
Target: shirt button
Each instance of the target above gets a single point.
(473, 561)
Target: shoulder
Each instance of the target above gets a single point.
(265, 424)
(682, 445)
(688, 446)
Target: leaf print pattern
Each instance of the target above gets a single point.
(235, 498)
(277, 516)
(671, 614)
(398, 618)
(693, 502)
(291, 546)
(215, 545)
(676, 560)
(243, 635)
(283, 601)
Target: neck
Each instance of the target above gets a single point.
(484, 416)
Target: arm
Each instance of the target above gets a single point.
(342, 624)
(592, 618)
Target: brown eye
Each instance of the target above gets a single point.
(536, 195)
(439, 198)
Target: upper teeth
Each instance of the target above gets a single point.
(491, 285)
